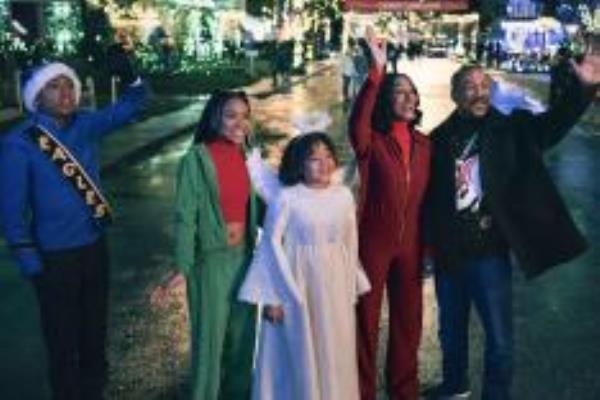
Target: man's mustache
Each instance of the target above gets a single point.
(480, 99)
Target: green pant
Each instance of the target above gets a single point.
(222, 328)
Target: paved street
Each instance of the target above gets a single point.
(556, 316)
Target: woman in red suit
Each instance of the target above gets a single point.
(393, 161)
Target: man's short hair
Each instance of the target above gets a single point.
(458, 78)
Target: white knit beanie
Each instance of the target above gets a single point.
(41, 76)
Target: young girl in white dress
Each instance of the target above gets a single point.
(307, 276)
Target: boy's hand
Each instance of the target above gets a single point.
(119, 63)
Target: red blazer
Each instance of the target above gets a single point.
(390, 195)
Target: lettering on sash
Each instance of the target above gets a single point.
(44, 143)
(90, 197)
(81, 184)
(59, 154)
(101, 211)
(70, 169)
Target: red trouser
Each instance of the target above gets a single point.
(400, 269)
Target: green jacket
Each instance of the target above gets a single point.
(199, 224)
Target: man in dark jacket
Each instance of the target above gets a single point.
(489, 194)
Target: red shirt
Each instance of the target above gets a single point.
(232, 179)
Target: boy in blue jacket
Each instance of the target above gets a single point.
(53, 214)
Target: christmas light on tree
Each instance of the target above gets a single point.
(590, 17)
(4, 24)
(63, 25)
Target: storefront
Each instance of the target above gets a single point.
(541, 35)
(439, 27)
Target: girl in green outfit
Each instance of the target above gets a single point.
(215, 232)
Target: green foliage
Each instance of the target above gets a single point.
(202, 80)
(4, 16)
(63, 26)
(325, 8)
(98, 34)
(4, 27)
(489, 11)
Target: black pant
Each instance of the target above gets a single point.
(72, 293)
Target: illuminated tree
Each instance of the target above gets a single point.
(63, 26)
(584, 12)
(4, 32)
(4, 19)
(4, 25)
(98, 33)
(322, 12)
(489, 11)
(261, 8)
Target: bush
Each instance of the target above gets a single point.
(197, 82)
(192, 82)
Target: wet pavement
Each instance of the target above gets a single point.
(556, 318)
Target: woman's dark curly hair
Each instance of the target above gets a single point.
(383, 113)
(297, 151)
(209, 127)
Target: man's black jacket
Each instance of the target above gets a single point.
(524, 201)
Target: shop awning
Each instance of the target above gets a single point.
(406, 5)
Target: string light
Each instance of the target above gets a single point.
(63, 22)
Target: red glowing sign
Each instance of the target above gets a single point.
(406, 5)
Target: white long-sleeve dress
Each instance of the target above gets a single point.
(307, 262)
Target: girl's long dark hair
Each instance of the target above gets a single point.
(297, 151)
(209, 127)
(383, 113)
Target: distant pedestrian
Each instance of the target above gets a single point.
(489, 194)
(53, 216)
(216, 214)
(307, 275)
(479, 50)
(394, 52)
(498, 54)
(282, 60)
(348, 72)
(361, 68)
(561, 75)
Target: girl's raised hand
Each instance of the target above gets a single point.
(378, 49)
